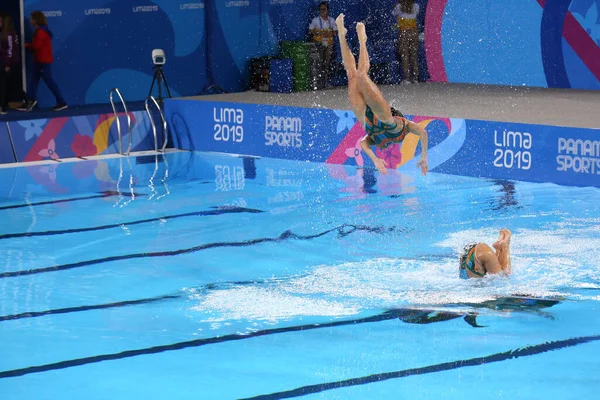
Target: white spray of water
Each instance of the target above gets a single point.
(545, 265)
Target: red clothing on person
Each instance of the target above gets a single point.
(41, 44)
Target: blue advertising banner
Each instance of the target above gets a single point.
(535, 153)
(77, 136)
(499, 150)
(235, 35)
(261, 130)
(307, 134)
(290, 18)
(102, 44)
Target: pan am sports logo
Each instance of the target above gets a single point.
(283, 131)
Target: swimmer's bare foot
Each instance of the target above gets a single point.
(361, 32)
(339, 21)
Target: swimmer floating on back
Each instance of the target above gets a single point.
(478, 259)
(383, 124)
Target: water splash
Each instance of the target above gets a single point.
(546, 264)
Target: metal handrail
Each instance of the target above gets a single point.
(163, 180)
(151, 180)
(132, 195)
(120, 194)
(118, 92)
(164, 122)
(12, 144)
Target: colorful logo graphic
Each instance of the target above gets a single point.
(78, 136)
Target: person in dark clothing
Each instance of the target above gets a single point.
(41, 46)
(10, 58)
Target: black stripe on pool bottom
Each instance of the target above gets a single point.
(67, 310)
(471, 362)
(126, 303)
(188, 344)
(107, 193)
(343, 230)
(218, 211)
(305, 390)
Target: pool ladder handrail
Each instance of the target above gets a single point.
(153, 190)
(121, 197)
(12, 144)
(112, 103)
(164, 123)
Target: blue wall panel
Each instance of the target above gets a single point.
(102, 44)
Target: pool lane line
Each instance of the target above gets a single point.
(468, 317)
(127, 303)
(471, 362)
(187, 344)
(342, 230)
(218, 211)
(385, 316)
(101, 195)
(67, 310)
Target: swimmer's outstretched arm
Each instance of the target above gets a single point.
(423, 163)
(366, 144)
(502, 247)
(422, 133)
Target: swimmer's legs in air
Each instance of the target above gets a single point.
(354, 95)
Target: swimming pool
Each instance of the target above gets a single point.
(219, 277)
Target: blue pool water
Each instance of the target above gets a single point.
(259, 278)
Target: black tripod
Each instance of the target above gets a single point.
(159, 78)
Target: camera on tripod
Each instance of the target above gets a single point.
(159, 59)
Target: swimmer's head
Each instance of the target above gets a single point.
(396, 113)
(462, 258)
(467, 262)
